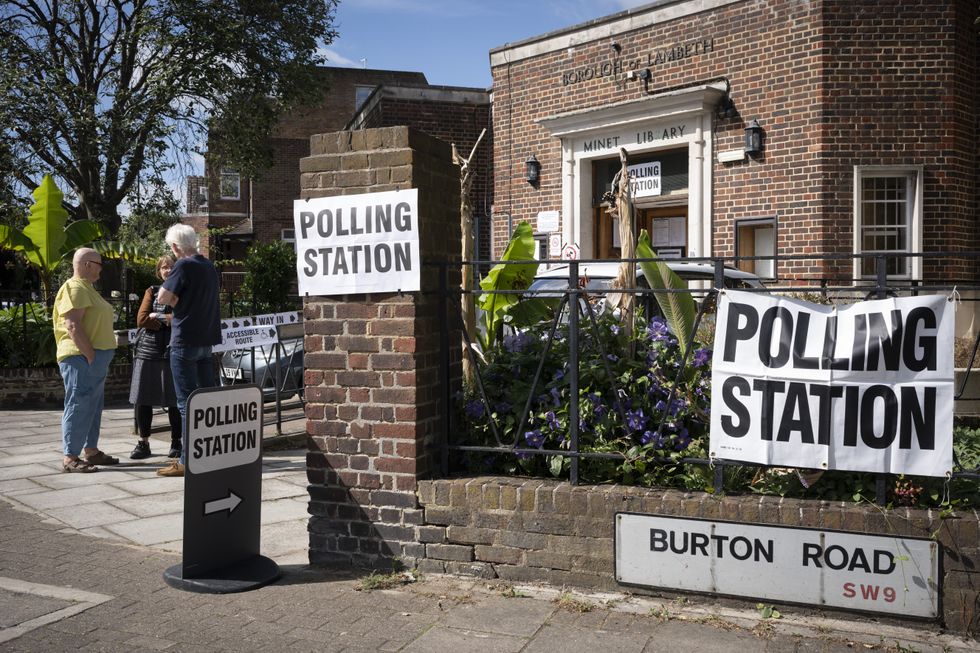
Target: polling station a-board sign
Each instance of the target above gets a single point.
(246, 331)
(353, 244)
(822, 568)
(860, 387)
(223, 493)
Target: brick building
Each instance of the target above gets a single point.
(867, 122)
(261, 209)
(453, 114)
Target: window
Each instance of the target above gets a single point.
(289, 236)
(757, 238)
(888, 219)
(229, 185)
(361, 94)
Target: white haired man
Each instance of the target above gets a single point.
(192, 290)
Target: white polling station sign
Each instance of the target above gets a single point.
(644, 179)
(876, 573)
(859, 387)
(358, 243)
(224, 429)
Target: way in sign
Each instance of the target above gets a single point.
(215, 445)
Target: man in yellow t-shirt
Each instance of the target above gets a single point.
(85, 340)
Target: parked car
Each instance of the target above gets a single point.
(599, 276)
(237, 367)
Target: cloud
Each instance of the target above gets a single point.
(334, 58)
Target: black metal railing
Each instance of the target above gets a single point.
(840, 287)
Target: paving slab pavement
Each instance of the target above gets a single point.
(82, 558)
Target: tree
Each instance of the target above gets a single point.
(97, 93)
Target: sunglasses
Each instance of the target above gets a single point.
(99, 263)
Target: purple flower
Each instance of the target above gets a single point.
(556, 396)
(552, 421)
(474, 409)
(534, 438)
(660, 406)
(612, 357)
(657, 330)
(682, 441)
(701, 357)
(649, 437)
(635, 420)
(615, 329)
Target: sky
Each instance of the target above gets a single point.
(450, 40)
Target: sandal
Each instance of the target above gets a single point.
(78, 466)
(101, 458)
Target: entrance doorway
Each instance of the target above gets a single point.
(667, 226)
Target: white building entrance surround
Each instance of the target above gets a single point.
(660, 121)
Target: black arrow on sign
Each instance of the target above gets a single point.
(228, 503)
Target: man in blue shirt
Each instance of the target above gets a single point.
(192, 290)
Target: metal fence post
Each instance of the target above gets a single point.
(573, 309)
(881, 291)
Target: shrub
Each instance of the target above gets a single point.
(270, 277)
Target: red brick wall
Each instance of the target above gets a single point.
(834, 84)
(372, 381)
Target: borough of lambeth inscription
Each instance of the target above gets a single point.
(658, 57)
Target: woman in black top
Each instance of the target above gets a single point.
(153, 384)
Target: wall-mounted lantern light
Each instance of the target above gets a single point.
(753, 138)
(532, 170)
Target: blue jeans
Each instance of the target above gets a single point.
(84, 398)
(192, 368)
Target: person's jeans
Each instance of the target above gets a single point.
(84, 398)
(192, 368)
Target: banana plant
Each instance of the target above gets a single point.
(48, 239)
(114, 250)
(679, 308)
(504, 276)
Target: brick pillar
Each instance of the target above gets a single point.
(373, 385)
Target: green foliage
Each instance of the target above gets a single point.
(504, 276)
(46, 240)
(270, 277)
(678, 307)
(26, 337)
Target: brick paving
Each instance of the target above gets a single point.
(72, 579)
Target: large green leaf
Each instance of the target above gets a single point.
(15, 240)
(46, 227)
(115, 251)
(505, 276)
(679, 308)
(80, 233)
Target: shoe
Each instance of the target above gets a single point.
(78, 466)
(173, 469)
(175, 449)
(101, 458)
(141, 451)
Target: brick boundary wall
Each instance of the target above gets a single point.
(373, 386)
(535, 530)
(42, 387)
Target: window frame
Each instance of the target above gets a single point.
(291, 238)
(770, 221)
(228, 173)
(913, 216)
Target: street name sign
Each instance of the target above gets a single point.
(223, 493)
(824, 568)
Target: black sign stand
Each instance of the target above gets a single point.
(223, 494)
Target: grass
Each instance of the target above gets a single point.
(569, 603)
(376, 581)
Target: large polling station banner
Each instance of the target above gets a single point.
(353, 244)
(862, 387)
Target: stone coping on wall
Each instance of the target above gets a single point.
(537, 530)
